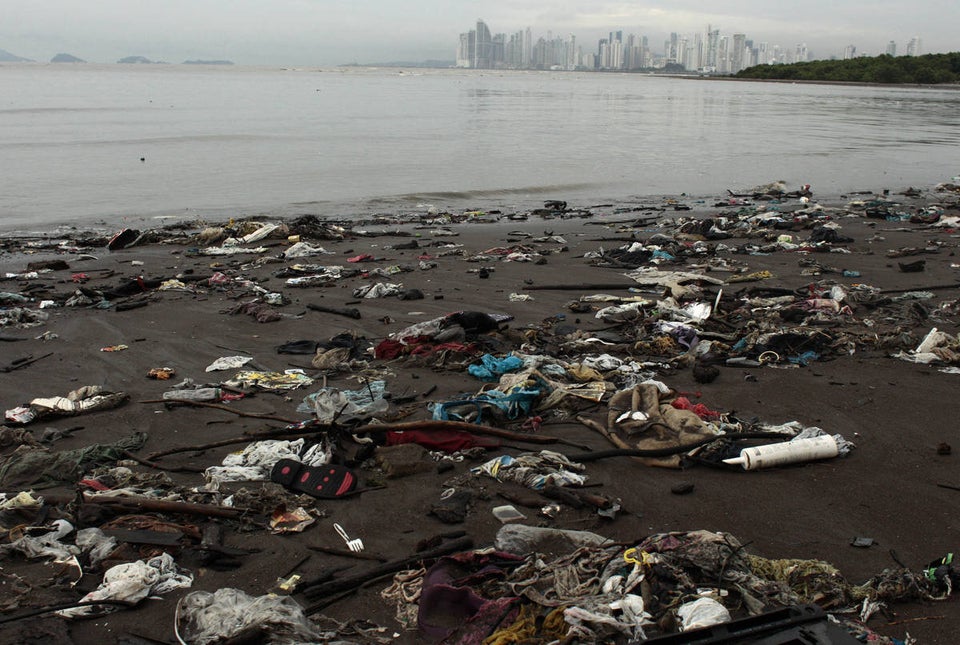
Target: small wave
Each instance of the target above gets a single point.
(219, 138)
(59, 110)
(463, 195)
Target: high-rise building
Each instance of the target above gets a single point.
(764, 55)
(672, 48)
(738, 53)
(850, 51)
(723, 55)
(913, 47)
(891, 49)
(636, 53)
(513, 51)
(483, 51)
(611, 54)
(713, 43)
(466, 48)
(751, 56)
(778, 55)
(498, 50)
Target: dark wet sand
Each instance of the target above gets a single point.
(888, 489)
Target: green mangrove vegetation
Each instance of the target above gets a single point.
(928, 69)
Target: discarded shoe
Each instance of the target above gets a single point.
(326, 481)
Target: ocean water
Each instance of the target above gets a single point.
(106, 143)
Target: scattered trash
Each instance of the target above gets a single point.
(691, 305)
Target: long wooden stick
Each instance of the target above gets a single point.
(206, 446)
(349, 312)
(345, 553)
(150, 504)
(350, 582)
(473, 428)
(23, 363)
(217, 406)
(150, 464)
(581, 287)
(163, 506)
(935, 287)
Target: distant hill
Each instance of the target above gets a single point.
(208, 62)
(66, 58)
(7, 57)
(139, 60)
(924, 70)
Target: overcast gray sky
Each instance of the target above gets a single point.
(330, 32)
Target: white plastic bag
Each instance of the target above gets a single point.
(702, 612)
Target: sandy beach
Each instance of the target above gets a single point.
(815, 297)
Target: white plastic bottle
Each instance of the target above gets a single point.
(788, 452)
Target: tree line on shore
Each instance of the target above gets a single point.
(926, 70)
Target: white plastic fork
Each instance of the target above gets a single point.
(355, 545)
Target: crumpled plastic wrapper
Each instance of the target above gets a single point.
(204, 618)
(79, 401)
(295, 521)
(132, 582)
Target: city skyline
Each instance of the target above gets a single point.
(708, 51)
(333, 32)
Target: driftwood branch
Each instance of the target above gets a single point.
(349, 583)
(581, 287)
(345, 553)
(206, 446)
(217, 406)
(280, 433)
(150, 464)
(439, 426)
(935, 287)
(150, 504)
(349, 312)
(23, 362)
(69, 605)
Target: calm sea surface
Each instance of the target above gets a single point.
(220, 141)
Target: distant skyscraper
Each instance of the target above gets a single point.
(673, 48)
(527, 47)
(891, 48)
(713, 43)
(738, 53)
(723, 55)
(466, 48)
(913, 47)
(483, 52)
(850, 51)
